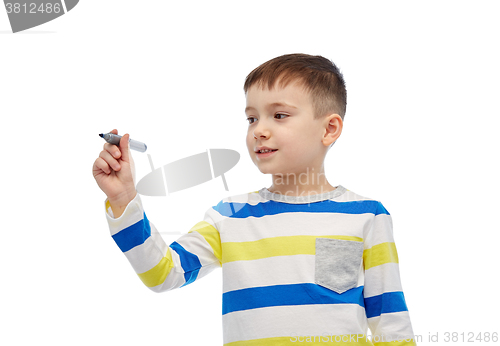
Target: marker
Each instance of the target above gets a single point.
(115, 139)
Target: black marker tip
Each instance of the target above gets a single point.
(101, 135)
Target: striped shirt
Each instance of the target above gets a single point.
(319, 269)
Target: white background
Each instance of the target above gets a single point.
(420, 135)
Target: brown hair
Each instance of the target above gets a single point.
(320, 77)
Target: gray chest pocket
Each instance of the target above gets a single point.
(337, 263)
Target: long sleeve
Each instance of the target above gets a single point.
(162, 267)
(385, 304)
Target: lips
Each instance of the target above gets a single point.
(258, 149)
(266, 154)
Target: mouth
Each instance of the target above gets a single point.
(266, 153)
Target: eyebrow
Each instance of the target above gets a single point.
(272, 105)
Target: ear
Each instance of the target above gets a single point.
(333, 125)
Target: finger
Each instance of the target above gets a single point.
(124, 147)
(115, 131)
(102, 165)
(113, 150)
(110, 160)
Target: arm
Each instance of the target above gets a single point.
(162, 267)
(385, 305)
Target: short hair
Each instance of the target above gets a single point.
(320, 77)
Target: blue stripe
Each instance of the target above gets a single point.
(190, 263)
(385, 303)
(280, 295)
(190, 277)
(244, 210)
(134, 235)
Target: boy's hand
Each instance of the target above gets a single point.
(114, 172)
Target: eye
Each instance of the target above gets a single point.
(281, 114)
(250, 122)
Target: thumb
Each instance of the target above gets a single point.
(124, 147)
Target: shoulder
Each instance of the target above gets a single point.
(252, 197)
(371, 205)
(230, 205)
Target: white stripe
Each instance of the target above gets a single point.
(214, 218)
(278, 270)
(205, 270)
(291, 224)
(382, 278)
(160, 243)
(177, 262)
(145, 256)
(381, 231)
(395, 326)
(298, 320)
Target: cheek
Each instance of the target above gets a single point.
(250, 144)
(297, 147)
(299, 152)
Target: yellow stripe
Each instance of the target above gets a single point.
(396, 343)
(108, 205)
(211, 235)
(276, 246)
(157, 275)
(380, 254)
(348, 339)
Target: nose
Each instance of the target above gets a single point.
(261, 131)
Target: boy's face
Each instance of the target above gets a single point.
(283, 119)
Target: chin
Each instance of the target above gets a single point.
(268, 171)
(263, 170)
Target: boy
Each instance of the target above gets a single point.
(303, 261)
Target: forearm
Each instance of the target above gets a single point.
(159, 266)
(139, 241)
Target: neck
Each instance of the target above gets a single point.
(302, 184)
